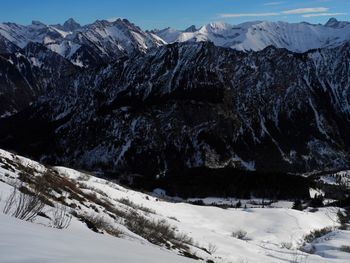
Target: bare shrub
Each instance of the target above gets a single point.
(99, 191)
(10, 202)
(158, 232)
(287, 245)
(131, 204)
(83, 177)
(343, 219)
(61, 218)
(313, 235)
(85, 186)
(184, 239)
(24, 206)
(345, 249)
(212, 248)
(98, 223)
(240, 234)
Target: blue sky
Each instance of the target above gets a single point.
(149, 14)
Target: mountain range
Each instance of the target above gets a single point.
(255, 36)
(261, 96)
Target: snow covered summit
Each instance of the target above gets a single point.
(99, 42)
(257, 35)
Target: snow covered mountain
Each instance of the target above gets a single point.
(103, 41)
(68, 26)
(171, 35)
(96, 43)
(227, 111)
(296, 37)
(142, 107)
(190, 105)
(39, 57)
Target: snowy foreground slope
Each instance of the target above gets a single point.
(272, 234)
(32, 243)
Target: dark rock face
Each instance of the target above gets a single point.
(194, 105)
(191, 29)
(333, 22)
(6, 47)
(71, 25)
(16, 91)
(29, 73)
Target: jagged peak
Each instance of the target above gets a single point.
(38, 23)
(335, 23)
(71, 25)
(117, 21)
(191, 29)
(219, 25)
(70, 21)
(331, 21)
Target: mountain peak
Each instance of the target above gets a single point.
(335, 23)
(332, 21)
(191, 29)
(38, 23)
(217, 26)
(71, 25)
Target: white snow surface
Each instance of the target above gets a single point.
(23, 242)
(268, 230)
(110, 37)
(257, 35)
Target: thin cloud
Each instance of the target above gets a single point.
(248, 15)
(324, 14)
(275, 3)
(308, 12)
(305, 10)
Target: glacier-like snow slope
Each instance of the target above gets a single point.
(297, 37)
(269, 230)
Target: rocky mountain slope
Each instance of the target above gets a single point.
(103, 42)
(30, 72)
(153, 109)
(196, 105)
(38, 57)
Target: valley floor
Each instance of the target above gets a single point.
(230, 235)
